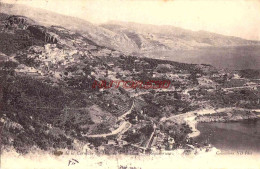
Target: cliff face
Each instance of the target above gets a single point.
(24, 23)
(16, 21)
(19, 32)
(41, 33)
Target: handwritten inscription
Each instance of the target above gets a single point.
(73, 162)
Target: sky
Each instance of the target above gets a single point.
(239, 18)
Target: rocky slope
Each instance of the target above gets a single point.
(99, 35)
(129, 37)
(152, 37)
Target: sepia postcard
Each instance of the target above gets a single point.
(130, 84)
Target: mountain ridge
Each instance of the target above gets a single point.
(129, 37)
(175, 38)
(46, 18)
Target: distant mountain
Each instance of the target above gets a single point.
(99, 35)
(152, 37)
(129, 37)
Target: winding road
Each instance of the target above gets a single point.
(121, 129)
(124, 126)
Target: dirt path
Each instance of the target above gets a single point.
(121, 129)
(126, 113)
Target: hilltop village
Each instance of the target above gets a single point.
(49, 103)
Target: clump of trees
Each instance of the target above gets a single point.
(177, 131)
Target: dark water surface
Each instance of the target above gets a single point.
(235, 58)
(232, 136)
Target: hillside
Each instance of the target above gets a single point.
(152, 37)
(48, 101)
(129, 37)
(95, 33)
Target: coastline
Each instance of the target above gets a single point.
(192, 121)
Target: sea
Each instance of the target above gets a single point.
(233, 58)
(242, 136)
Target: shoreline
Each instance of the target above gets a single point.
(196, 132)
(192, 121)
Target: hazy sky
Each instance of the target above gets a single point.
(231, 17)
